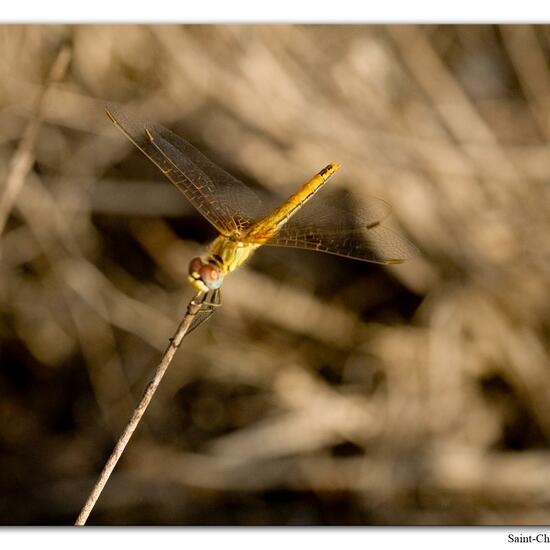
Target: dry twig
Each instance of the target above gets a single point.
(192, 309)
(23, 158)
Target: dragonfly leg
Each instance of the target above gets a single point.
(209, 299)
(212, 304)
(198, 299)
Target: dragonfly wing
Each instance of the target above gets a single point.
(376, 244)
(337, 228)
(223, 200)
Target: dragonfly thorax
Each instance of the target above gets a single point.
(230, 253)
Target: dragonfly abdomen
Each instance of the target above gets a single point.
(263, 230)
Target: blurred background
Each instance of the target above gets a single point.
(325, 391)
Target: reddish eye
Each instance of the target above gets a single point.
(210, 276)
(194, 266)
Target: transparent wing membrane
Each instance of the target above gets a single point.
(223, 200)
(375, 244)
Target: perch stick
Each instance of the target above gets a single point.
(192, 309)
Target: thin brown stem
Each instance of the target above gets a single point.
(23, 157)
(192, 309)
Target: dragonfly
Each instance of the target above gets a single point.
(245, 222)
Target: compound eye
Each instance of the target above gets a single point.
(210, 276)
(194, 267)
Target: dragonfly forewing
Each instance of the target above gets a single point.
(228, 204)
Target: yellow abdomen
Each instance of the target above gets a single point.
(263, 230)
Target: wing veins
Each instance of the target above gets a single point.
(224, 223)
(377, 244)
(220, 224)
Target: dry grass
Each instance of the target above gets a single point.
(325, 391)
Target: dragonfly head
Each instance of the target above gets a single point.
(204, 276)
